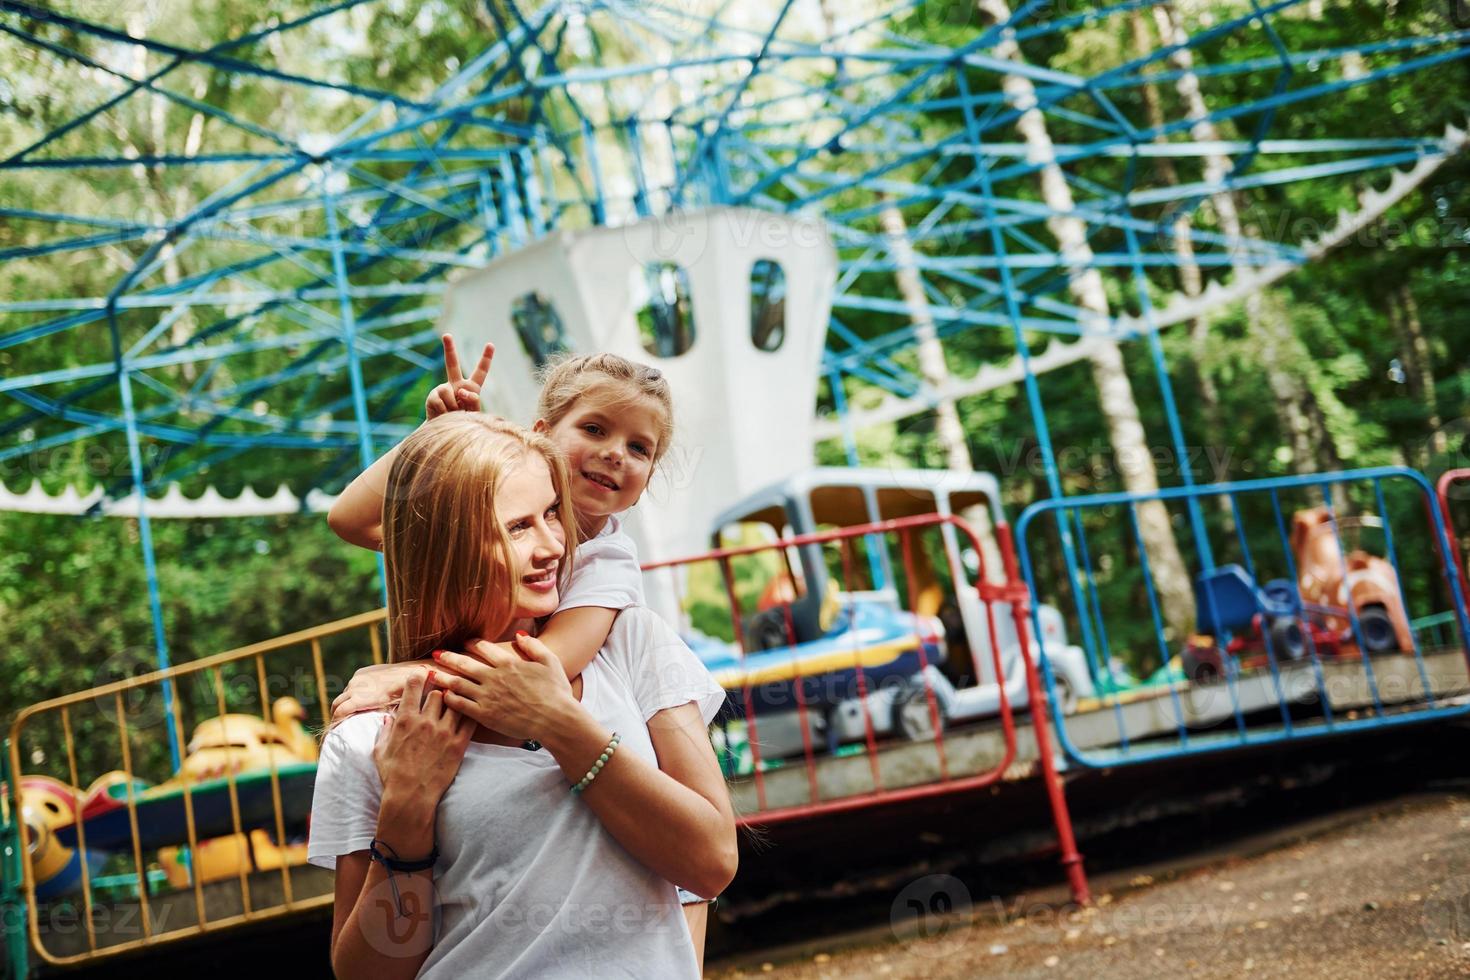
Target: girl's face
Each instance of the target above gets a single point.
(610, 444)
(527, 504)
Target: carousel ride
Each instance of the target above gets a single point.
(232, 761)
(791, 208)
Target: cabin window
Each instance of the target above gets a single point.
(666, 316)
(538, 326)
(767, 305)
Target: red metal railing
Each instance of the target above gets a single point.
(1442, 489)
(1014, 592)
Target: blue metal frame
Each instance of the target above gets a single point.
(339, 313)
(1070, 510)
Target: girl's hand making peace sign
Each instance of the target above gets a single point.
(458, 393)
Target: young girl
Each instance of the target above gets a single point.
(510, 835)
(612, 421)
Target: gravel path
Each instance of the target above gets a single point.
(1378, 893)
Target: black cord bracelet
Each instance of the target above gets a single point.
(394, 866)
(394, 863)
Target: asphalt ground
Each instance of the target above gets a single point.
(1375, 891)
(1342, 858)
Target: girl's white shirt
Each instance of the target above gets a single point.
(605, 571)
(528, 881)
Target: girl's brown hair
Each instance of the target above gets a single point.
(446, 551)
(570, 377)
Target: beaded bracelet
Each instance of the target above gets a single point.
(607, 753)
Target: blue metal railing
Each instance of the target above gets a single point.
(1306, 657)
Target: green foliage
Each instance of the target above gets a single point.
(74, 611)
(73, 592)
(1340, 310)
(708, 600)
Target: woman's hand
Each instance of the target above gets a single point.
(520, 694)
(458, 393)
(374, 688)
(421, 745)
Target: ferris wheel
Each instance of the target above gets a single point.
(261, 278)
(234, 250)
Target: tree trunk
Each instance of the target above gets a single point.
(1266, 323)
(1191, 279)
(1278, 357)
(935, 372)
(1418, 363)
(932, 366)
(1115, 392)
(153, 185)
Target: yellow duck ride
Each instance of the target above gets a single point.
(235, 762)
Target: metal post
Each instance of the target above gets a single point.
(366, 453)
(145, 529)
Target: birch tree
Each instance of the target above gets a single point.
(1115, 391)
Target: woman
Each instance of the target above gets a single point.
(504, 821)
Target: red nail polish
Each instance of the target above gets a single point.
(431, 677)
(437, 654)
(522, 633)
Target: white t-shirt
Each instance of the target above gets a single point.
(529, 883)
(605, 571)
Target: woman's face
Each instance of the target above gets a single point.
(609, 445)
(527, 504)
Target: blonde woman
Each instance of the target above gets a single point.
(502, 820)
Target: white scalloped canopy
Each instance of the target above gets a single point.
(173, 503)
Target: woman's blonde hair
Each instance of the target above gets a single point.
(446, 550)
(570, 377)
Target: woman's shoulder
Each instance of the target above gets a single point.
(642, 644)
(639, 629)
(635, 632)
(660, 669)
(356, 732)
